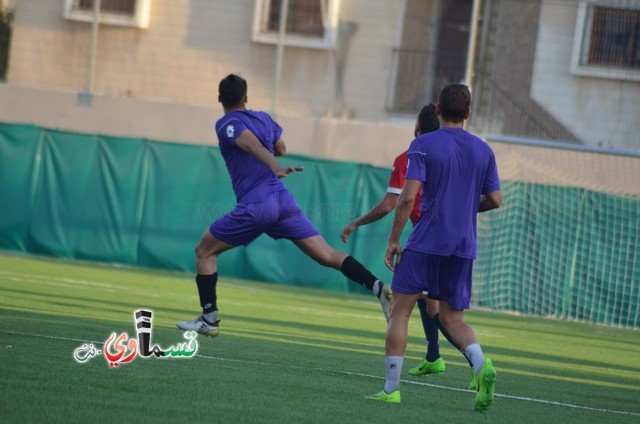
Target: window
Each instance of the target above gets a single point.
(310, 23)
(607, 42)
(112, 12)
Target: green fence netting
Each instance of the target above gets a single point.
(551, 251)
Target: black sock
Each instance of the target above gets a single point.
(448, 337)
(207, 291)
(430, 326)
(355, 271)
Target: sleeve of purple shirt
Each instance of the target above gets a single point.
(416, 163)
(231, 130)
(491, 179)
(277, 130)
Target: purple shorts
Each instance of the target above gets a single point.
(446, 278)
(278, 215)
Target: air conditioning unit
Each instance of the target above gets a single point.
(131, 13)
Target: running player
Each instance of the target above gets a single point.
(248, 141)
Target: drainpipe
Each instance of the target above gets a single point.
(475, 15)
(282, 29)
(84, 98)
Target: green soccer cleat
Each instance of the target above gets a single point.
(393, 397)
(486, 380)
(425, 367)
(473, 385)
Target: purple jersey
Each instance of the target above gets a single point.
(455, 168)
(251, 179)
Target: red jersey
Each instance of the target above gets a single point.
(396, 183)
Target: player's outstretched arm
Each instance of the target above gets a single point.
(403, 210)
(249, 143)
(376, 213)
(490, 201)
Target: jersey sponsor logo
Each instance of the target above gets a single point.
(230, 131)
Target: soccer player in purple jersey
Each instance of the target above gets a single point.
(454, 169)
(249, 141)
(429, 311)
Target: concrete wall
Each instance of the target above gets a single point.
(190, 45)
(358, 141)
(601, 112)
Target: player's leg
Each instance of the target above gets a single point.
(429, 314)
(319, 250)
(237, 228)
(434, 305)
(395, 346)
(453, 322)
(408, 285)
(207, 251)
(455, 295)
(295, 226)
(465, 337)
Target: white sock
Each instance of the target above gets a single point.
(394, 368)
(212, 317)
(474, 353)
(376, 288)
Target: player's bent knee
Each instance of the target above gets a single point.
(201, 252)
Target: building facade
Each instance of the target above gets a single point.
(353, 70)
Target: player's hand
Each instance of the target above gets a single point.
(283, 172)
(393, 251)
(346, 231)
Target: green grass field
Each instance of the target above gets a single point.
(285, 354)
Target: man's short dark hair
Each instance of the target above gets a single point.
(454, 101)
(232, 91)
(428, 119)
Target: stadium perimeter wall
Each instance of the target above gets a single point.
(563, 245)
(325, 137)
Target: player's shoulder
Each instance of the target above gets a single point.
(480, 143)
(233, 119)
(430, 137)
(225, 120)
(401, 158)
(258, 114)
(422, 142)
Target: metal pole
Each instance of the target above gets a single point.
(282, 29)
(94, 45)
(475, 14)
(431, 92)
(481, 56)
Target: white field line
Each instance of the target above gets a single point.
(377, 377)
